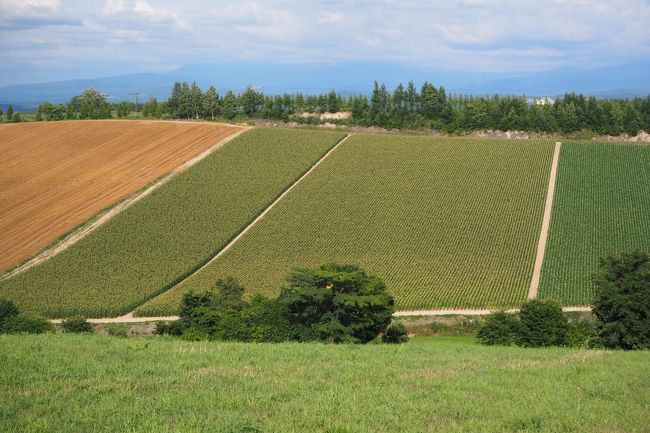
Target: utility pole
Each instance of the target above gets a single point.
(136, 100)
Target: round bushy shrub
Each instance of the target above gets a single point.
(76, 324)
(395, 334)
(7, 309)
(25, 323)
(498, 328)
(542, 323)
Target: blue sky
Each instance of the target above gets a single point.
(47, 40)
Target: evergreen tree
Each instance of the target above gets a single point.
(174, 100)
(211, 103)
(10, 113)
(196, 101)
(229, 105)
(250, 101)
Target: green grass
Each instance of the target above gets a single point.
(66, 383)
(601, 207)
(446, 222)
(167, 235)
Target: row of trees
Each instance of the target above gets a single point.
(91, 104)
(404, 107)
(333, 303)
(11, 116)
(409, 107)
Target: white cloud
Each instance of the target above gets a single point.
(457, 34)
(142, 12)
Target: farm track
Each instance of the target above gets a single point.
(86, 229)
(56, 175)
(261, 215)
(546, 222)
(129, 318)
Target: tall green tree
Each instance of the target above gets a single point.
(229, 105)
(10, 113)
(622, 304)
(93, 105)
(211, 103)
(337, 303)
(174, 100)
(196, 101)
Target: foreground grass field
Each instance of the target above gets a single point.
(169, 233)
(446, 222)
(56, 175)
(602, 206)
(63, 383)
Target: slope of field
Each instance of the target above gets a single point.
(602, 207)
(166, 235)
(70, 383)
(56, 175)
(446, 222)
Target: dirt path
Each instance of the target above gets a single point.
(86, 229)
(268, 209)
(471, 312)
(129, 318)
(546, 221)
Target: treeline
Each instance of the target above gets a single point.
(91, 104)
(406, 107)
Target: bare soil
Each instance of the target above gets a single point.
(56, 175)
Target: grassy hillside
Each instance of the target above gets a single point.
(64, 383)
(169, 233)
(602, 206)
(446, 222)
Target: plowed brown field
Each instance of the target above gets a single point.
(56, 175)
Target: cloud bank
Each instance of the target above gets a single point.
(52, 39)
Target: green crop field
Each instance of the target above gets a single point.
(446, 222)
(168, 234)
(84, 383)
(602, 206)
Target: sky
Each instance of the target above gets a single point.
(49, 40)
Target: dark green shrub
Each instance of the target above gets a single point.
(395, 334)
(7, 309)
(336, 303)
(542, 323)
(498, 328)
(169, 328)
(580, 333)
(622, 305)
(76, 324)
(25, 323)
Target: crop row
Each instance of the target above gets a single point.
(446, 222)
(601, 207)
(164, 237)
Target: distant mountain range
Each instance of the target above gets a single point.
(613, 81)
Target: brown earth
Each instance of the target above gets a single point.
(56, 175)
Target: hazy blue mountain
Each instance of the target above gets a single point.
(614, 81)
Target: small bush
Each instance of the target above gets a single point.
(542, 323)
(395, 334)
(25, 323)
(498, 328)
(7, 309)
(169, 328)
(580, 333)
(76, 324)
